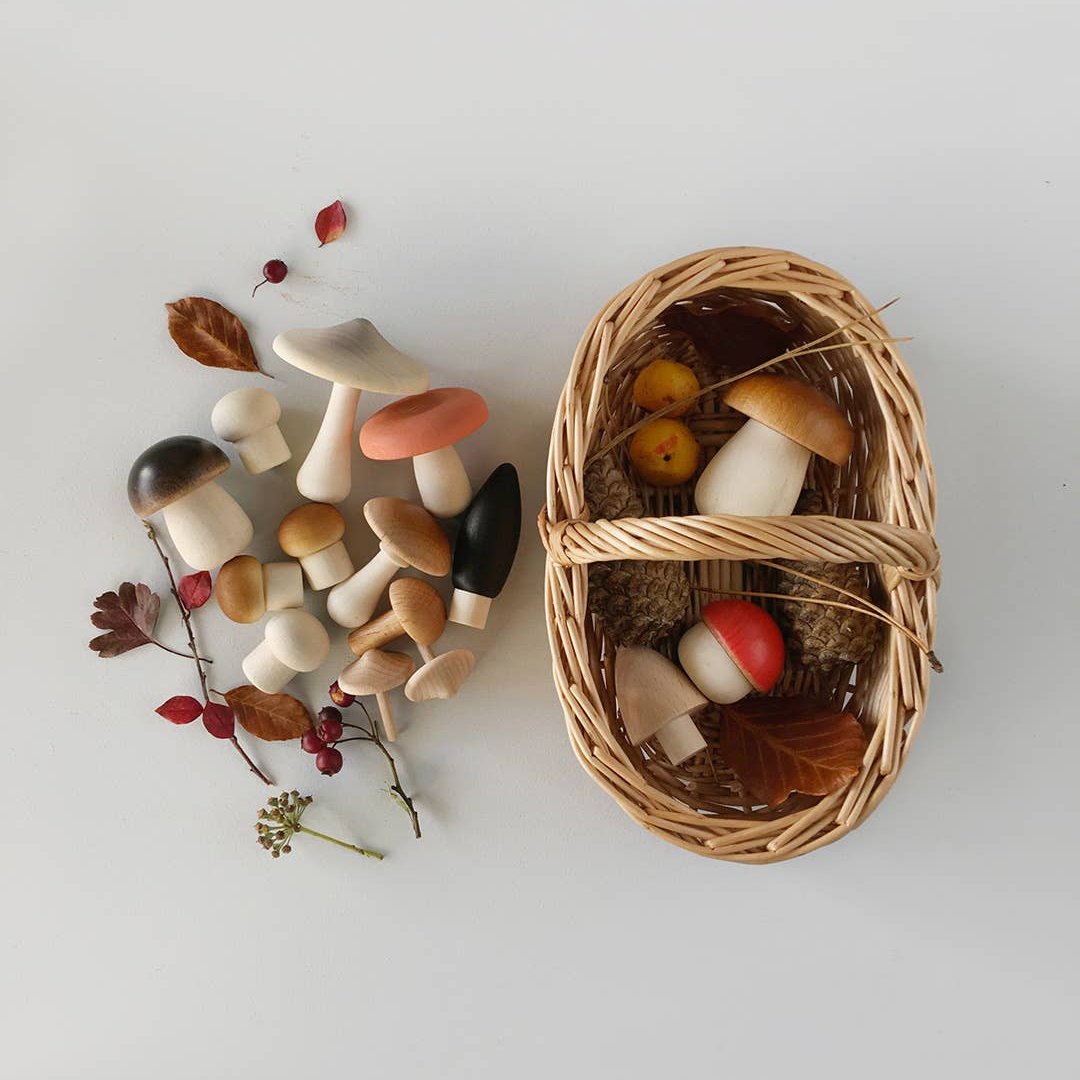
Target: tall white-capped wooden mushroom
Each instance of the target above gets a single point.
(656, 700)
(759, 471)
(176, 476)
(378, 672)
(249, 418)
(353, 356)
(313, 533)
(246, 589)
(408, 536)
(295, 641)
(425, 427)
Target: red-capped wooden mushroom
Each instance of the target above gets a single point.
(735, 648)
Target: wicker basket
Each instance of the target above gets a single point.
(882, 510)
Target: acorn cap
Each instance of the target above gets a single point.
(751, 638)
(795, 409)
(652, 692)
(171, 469)
(310, 528)
(352, 354)
(441, 677)
(298, 640)
(241, 413)
(239, 589)
(419, 608)
(410, 533)
(422, 423)
(376, 672)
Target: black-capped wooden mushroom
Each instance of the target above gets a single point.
(353, 356)
(378, 672)
(176, 477)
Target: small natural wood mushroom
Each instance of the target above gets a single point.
(735, 648)
(425, 428)
(295, 641)
(313, 534)
(441, 676)
(249, 418)
(246, 589)
(759, 471)
(353, 356)
(408, 536)
(176, 476)
(378, 672)
(485, 547)
(416, 609)
(655, 700)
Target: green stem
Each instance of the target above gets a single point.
(340, 843)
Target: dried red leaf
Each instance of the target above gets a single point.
(777, 746)
(219, 720)
(195, 589)
(180, 709)
(273, 717)
(330, 222)
(129, 615)
(211, 334)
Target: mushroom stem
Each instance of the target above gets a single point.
(757, 473)
(326, 475)
(353, 602)
(425, 652)
(387, 714)
(680, 739)
(207, 526)
(328, 566)
(283, 585)
(469, 609)
(265, 671)
(443, 483)
(710, 666)
(263, 450)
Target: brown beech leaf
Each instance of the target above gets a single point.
(273, 717)
(330, 222)
(211, 334)
(780, 745)
(129, 615)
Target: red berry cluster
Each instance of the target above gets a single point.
(321, 740)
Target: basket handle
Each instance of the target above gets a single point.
(912, 553)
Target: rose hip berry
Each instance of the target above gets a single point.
(339, 697)
(328, 760)
(330, 730)
(274, 271)
(310, 742)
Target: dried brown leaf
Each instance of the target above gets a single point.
(777, 746)
(272, 717)
(129, 615)
(211, 334)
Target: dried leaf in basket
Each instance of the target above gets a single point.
(271, 717)
(777, 746)
(637, 603)
(211, 334)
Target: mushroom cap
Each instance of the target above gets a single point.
(490, 530)
(410, 533)
(652, 691)
(419, 608)
(422, 423)
(441, 677)
(751, 638)
(239, 589)
(352, 354)
(310, 528)
(298, 639)
(376, 672)
(795, 409)
(171, 469)
(241, 413)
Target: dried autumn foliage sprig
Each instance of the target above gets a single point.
(279, 821)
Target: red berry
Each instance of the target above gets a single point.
(274, 271)
(339, 697)
(310, 742)
(328, 760)
(330, 730)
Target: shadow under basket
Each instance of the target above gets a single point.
(879, 512)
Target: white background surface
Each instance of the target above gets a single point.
(508, 167)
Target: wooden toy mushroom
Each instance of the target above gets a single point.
(176, 476)
(440, 676)
(378, 672)
(416, 609)
(425, 428)
(295, 641)
(655, 700)
(485, 547)
(735, 648)
(760, 470)
(408, 536)
(246, 589)
(313, 534)
(249, 418)
(353, 356)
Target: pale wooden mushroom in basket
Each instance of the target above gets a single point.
(408, 536)
(759, 471)
(295, 641)
(246, 589)
(313, 533)
(176, 476)
(353, 356)
(378, 672)
(249, 418)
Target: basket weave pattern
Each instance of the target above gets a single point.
(880, 511)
